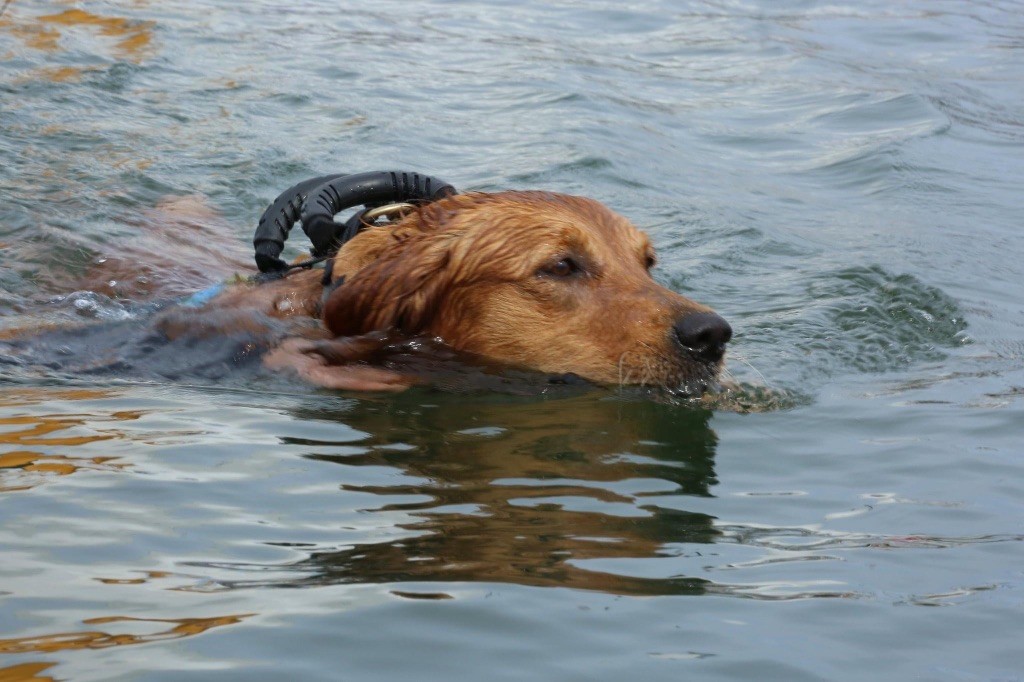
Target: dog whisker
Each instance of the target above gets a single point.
(737, 356)
(670, 221)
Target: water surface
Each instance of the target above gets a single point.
(841, 181)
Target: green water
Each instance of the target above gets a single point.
(840, 181)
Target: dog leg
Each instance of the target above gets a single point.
(180, 246)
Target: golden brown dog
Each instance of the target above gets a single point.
(533, 280)
(544, 281)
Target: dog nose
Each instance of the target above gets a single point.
(704, 333)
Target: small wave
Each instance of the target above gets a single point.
(864, 319)
(94, 306)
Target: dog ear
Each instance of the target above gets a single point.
(403, 289)
(365, 248)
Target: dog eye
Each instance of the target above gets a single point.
(563, 268)
(650, 261)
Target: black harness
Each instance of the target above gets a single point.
(316, 201)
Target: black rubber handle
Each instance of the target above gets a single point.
(337, 194)
(277, 221)
(316, 201)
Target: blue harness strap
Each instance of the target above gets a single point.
(201, 298)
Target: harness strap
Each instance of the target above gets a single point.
(329, 289)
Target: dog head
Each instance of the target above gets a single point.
(551, 282)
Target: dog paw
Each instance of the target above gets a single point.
(328, 364)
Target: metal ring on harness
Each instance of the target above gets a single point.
(316, 201)
(391, 211)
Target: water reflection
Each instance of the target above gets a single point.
(131, 38)
(27, 442)
(520, 492)
(102, 639)
(26, 672)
